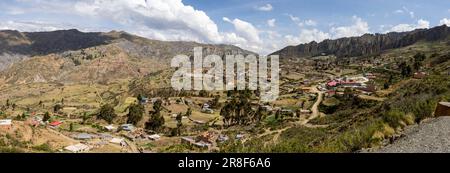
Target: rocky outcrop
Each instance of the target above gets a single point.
(368, 44)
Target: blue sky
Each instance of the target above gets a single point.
(262, 26)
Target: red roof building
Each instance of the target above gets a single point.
(332, 84)
(56, 123)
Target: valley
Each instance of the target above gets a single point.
(111, 93)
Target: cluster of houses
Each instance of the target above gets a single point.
(208, 140)
(359, 83)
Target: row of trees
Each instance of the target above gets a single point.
(239, 111)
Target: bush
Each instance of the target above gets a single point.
(107, 113)
(393, 118)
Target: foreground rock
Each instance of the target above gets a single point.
(432, 136)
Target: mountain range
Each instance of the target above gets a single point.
(71, 56)
(366, 45)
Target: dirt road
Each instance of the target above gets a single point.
(315, 108)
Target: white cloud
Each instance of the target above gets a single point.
(358, 28)
(306, 36)
(35, 26)
(168, 18)
(409, 27)
(405, 10)
(399, 11)
(423, 24)
(444, 21)
(293, 18)
(310, 22)
(267, 7)
(411, 14)
(301, 23)
(245, 29)
(271, 22)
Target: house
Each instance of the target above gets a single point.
(187, 140)
(332, 84)
(119, 141)
(330, 93)
(368, 88)
(303, 111)
(442, 109)
(127, 127)
(110, 127)
(419, 75)
(370, 76)
(6, 124)
(239, 136)
(207, 111)
(83, 136)
(267, 108)
(105, 136)
(77, 148)
(222, 138)
(143, 101)
(55, 124)
(205, 137)
(154, 137)
(350, 84)
(202, 144)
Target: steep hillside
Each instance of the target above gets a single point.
(368, 44)
(72, 56)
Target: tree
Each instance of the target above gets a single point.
(85, 117)
(405, 69)
(7, 103)
(238, 111)
(57, 108)
(140, 98)
(179, 123)
(71, 127)
(215, 102)
(203, 93)
(386, 86)
(157, 106)
(107, 113)
(46, 117)
(135, 113)
(188, 112)
(156, 120)
(418, 60)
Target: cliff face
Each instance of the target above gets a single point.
(368, 44)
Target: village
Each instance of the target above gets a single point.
(196, 122)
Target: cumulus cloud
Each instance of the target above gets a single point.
(168, 19)
(444, 21)
(271, 22)
(358, 28)
(245, 29)
(267, 7)
(409, 27)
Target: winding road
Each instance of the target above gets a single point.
(315, 108)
